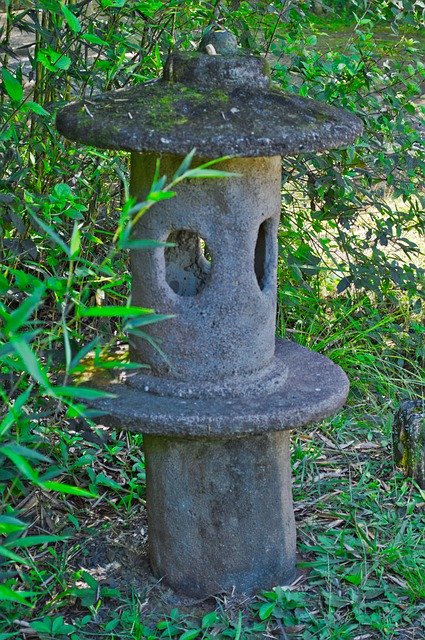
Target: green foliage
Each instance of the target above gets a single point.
(351, 276)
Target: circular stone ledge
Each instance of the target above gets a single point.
(172, 117)
(315, 388)
(270, 379)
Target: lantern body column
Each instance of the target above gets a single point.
(224, 305)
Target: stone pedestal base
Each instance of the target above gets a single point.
(220, 512)
(218, 468)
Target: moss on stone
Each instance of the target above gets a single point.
(217, 120)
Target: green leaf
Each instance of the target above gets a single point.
(30, 541)
(354, 578)
(185, 164)
(83, 352)
(26, 452)
(21, 463)
(15, 596)
(190, 634)
(144, 244)
(12, 85)
(53, 60)
(63, 191)
(89, 579)
(9, 524)
(151, 341)
(50, 232)
(75, 241)
(82, 392)
(105, 481)
(71, 19)
(13, 413)
(7, 553)
(147, 319)
(30, 361)
(67, 489)
(157, 196)
(112, 624)
(266, 610)
(209, 620)
(92, 39)
(25, 310)
(36, 108)
(119, 364)
(113, 312)
(209, 173)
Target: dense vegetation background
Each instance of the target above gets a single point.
(351, 276)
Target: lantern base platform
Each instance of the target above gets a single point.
(314, 388)
(220, 514)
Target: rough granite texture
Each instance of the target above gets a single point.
(211, 337)
(220, 105)
(220, 513)
(223, 41)
(244, 72)
(269, 379)
(315, 388)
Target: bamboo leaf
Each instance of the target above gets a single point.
(147, 319)
(30, 362)
(30, 541)
(12, 85)
(208, 173)
(93, 39)
(14, 411)
(157, 196)
(71, 19)
(36, 108)
(144, 244)
(21, 463)
(25, 310)
(67, 489)
(9, 524)
(75, 240)
(50, 232)
(114, 312)
(185, 164)
(15, 596)
(10, 555)
(26, 452)
(82, 392)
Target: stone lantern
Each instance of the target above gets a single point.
(215, 414)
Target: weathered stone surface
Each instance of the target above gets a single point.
(315, 388)
(409, 439)
(228, 72)
(220, 105)
(176, 118)
(224, 324)
(220, 513)
(223, 41)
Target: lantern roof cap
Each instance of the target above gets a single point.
(218, 100)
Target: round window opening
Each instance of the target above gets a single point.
(188, 263)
